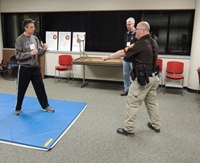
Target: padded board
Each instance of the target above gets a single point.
(34, 128)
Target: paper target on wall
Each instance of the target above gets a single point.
(52, 40)
(64, 41)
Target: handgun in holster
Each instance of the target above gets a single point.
(146, 74)
(143, 77)
(133, 74)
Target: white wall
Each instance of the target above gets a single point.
(92, 5)
(94, 72)
(195, 50)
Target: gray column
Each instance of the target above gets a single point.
(193, 80)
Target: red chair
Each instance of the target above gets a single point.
(198, 71)
(65, 62)
(173, 72)
(160, 63)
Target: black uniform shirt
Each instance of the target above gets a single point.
(142, 51)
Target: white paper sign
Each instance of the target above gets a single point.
(51, 40)
(78, 38)
(64, 41)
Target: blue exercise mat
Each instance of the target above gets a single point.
(34, 128)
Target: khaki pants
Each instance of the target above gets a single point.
(136, 95)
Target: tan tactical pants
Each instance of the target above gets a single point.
(136, 95)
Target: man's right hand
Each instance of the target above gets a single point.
(34, 52)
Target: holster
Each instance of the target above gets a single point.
(143, 77)
(157, 69)
(133, 74)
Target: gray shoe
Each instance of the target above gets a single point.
(17, 112)
(49, 109)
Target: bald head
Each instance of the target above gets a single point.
(145, 25)
(142, 29)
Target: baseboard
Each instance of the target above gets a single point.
(192, 90)
(104, 81)
(81, 79)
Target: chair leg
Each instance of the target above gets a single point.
(68, 76)
(58, 77)
(55, 76)
(161, 79)
(72, 76)
(164, 89)
(13, 73)
(182, 87)
(197, 92)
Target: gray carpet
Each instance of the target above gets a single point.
(93, 137)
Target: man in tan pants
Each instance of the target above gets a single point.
(145, 79)
(136, 96)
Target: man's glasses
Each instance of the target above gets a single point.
(140, 29)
